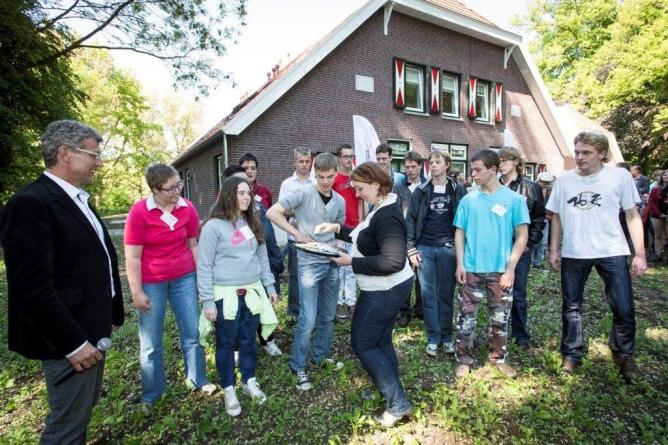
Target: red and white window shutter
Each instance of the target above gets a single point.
(399, 72)
(435, 95)
(473, 82)
(498, 100)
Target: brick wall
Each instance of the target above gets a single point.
(317, 111)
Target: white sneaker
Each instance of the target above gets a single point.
(232, 406)
(208, 389)
(331, 364)
(272, 349)
(432, 349)
(236, 359)
(449, 347)
(252, 389)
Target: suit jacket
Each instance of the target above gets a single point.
(57, 273)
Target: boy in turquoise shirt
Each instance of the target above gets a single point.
(492, 232)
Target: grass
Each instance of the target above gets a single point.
(540, 406)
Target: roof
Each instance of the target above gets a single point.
(450, 14)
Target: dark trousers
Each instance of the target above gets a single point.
(518, 313)
(371, 341)
(229, 333)
(614, 271)
(70, 403)
(418, 308)
(293, 280)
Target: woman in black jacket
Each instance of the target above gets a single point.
(385, 279)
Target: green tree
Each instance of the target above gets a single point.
(609, 59)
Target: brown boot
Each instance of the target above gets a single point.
(569, 366)
(506, 370)
(627, 368)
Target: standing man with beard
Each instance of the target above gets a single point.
(62, 274)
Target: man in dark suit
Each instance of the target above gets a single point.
(62, 273)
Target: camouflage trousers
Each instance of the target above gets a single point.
(470, 296)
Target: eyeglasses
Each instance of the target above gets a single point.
(94, 155)
(347, 157)
(177, 187)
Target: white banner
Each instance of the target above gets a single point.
(366, 140)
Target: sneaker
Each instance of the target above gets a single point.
(303, 382)
(208, 389)
(236, 359)
(232, 406)
(627, 368)
(330, 363)
(403, 320)
(252, 389)
(462, 371)
(272, 349)
(389, 420)
(351, 310)
(147, 408)
(449, 347)
(432, 350)
(569, 366)
(341, 311)
(506, 370)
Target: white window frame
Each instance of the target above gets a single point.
(530, 169)
(220, 166)
(455, 79)
(420, 85)
(456, 160)
(484, 117)
(398, 159)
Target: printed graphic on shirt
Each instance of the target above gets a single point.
(237, 237)
(585, 200)
(440, 204)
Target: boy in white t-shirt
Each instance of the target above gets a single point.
(586, 203)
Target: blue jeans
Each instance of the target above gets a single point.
(614, 271)
(519, 311)
(538, 250)
(293, 280)
(318, 293)
(181, 294)
(230, 334)
(437, 278)
(371, 341)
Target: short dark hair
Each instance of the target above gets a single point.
(384, 148)
(413, 156)
(625, 165)
(249, 157)
(488, 157)
(343, 146)
(232, 170)
(158, 174)
(370, 172)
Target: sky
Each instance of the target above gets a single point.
(276, 31)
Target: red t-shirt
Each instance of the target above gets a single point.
(165, 255)
(264, 193)
(344, 187)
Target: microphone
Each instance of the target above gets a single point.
(102, 345)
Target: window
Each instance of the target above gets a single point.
(450, 99)
(414, 88)
(530, 171)
(482, 102)
(458, 152)
(187, 182)
(220, 168)
(399, 149)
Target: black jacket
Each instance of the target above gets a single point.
(533, 195)
(419, 207)
(57, 273)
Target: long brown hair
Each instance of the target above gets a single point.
(227, 207)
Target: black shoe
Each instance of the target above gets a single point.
(420, 316)
(627, 368)
(403, 321)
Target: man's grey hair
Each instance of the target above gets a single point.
(301, 151)
(68, 133)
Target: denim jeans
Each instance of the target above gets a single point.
(371, 341)
(437, 278)
(348, 291)
(538, 250)
(229, 334)
(418, 308)
(518, 314)
(614, 271)
(318, 290)
(293, 280)
(181, 294)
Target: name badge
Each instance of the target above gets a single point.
(439, 189)
(247, 232)
(499, 210)
(169, 219)
(258, 198)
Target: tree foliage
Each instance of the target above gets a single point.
(609, 58)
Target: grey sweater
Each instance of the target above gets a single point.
(228, 257)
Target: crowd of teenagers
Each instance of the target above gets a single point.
(398, 235)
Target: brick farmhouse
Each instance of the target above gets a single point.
(425, 73)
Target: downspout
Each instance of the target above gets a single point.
(225, 155)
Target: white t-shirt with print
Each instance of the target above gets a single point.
(588, 208)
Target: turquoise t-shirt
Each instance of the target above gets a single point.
(489, 222)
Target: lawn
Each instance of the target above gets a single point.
(540, 406)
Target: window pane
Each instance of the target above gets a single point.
(413, 75)
(412, 94)
(481, 101)
(449, 102)
(414, 88)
